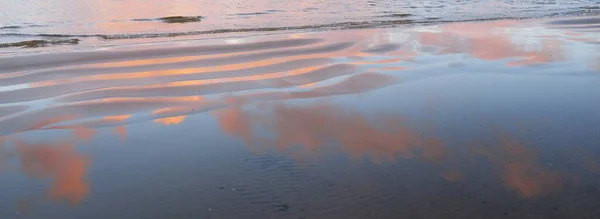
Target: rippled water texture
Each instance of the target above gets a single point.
(494, 119)
(60, 22)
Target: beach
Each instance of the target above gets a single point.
(390, 110)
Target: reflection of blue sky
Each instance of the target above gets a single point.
(14, 87)
(421, 61)
(575, 48)
(563, 99)
(459, 92)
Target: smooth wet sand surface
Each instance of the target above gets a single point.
(494, 119)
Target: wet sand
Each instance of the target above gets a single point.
(495, 119)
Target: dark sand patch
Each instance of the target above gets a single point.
(39, 43)
(10, 27)
(594, 20)
(181, 19)
(397, 15)
(173, 19)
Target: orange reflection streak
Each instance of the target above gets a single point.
(60, 163)
(244, 78)
(362, 82)
(184, 71)
(152, 61)
(214, 69)
(141, 100)
(48, 83)
(142, 62)
(175, 109)
(384, 61)
(393, 68)
(230, 67)
(117, 118)
(309, 85)
(170, 120)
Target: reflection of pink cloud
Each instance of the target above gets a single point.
(524, 173)
(234, 122)
(84, 133)
(60, 163)
(312, 126)
(433, 150)
(520, 168)
(121, 131)
(530, 180)
(591, 164)
(481, 41)
(3, 155)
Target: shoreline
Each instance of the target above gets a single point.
(49, 40)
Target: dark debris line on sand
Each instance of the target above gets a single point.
(173, 19)
(333, 26)
(397, 15)
(180, 19)
(316, 27)
(10, 27)
(39, 43)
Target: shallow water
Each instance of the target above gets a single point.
(109, 20)
(492, 119)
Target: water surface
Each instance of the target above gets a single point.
(95, 21)
(495, 119)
